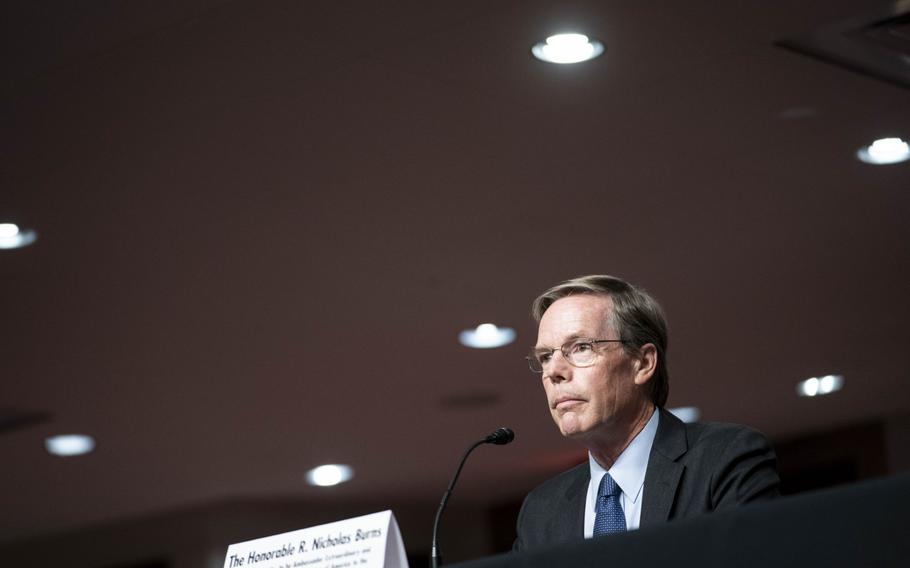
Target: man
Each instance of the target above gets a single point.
(602, 354)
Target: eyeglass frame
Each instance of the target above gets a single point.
(533, 357)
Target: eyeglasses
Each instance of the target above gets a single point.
(578, 353)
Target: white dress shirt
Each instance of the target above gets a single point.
(629, 474)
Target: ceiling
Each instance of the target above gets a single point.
(262, 226)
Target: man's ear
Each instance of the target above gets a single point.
(645, 363)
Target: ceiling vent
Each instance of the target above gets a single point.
(877, 45)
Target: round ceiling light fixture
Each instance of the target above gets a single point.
(486, 336)
(67, 445)
(818, 386)
(567, 48)
(885, 151)
(329, 475)
(13, 237)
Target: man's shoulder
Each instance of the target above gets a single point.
(727, 465)
(553, 511)
(717, 436)
(678, 440)
(563, 482)
(713, 432)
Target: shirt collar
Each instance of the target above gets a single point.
(628, 470)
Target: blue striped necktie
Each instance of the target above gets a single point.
(609, 517)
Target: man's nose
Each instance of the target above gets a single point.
(558, 369)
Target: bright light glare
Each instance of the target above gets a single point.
(486, 336)
(810, 387)
(568, 42)
(69, 444)
(816, 386)
(687, 414)
(8, 230)
(12, 237)
(567, 48)
(329, 475)
(885, 151)
(830, 383)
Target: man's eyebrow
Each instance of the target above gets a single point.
(570, 338)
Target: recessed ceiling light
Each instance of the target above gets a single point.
(69, 444)
(486, 336)
(687, 414)
(12, 237)
(885, 151)
(817, 386)
(567, 48)
(329, 475)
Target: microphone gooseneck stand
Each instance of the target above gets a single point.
(500, 437)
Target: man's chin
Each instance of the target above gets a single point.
(576, 435)
(572, 428)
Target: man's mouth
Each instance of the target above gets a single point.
(566, 402)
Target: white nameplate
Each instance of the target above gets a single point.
(370, 541)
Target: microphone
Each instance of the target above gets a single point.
(500, 437)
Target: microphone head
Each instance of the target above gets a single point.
(500, 437)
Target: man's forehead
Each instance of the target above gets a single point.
(583, 315)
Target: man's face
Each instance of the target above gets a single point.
(589, 400)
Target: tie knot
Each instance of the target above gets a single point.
(608, 487)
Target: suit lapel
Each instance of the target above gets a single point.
(663, 473)
(569, 519)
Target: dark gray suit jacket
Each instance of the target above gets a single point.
(692, 469)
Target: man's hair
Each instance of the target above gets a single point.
(636, 316)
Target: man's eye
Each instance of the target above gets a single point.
(582, 347)
(544, 357)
